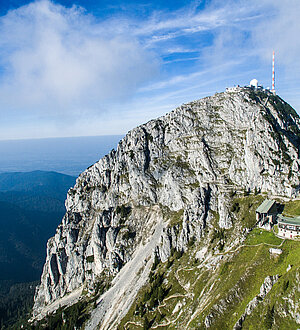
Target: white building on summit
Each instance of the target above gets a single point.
(254, 83)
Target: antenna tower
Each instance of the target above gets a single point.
(273, 74)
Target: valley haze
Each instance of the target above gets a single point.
(65, 155)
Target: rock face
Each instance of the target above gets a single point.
(184, 164)
(264, 290)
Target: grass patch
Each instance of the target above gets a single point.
(244, 208)
(144, 309)
(286, 287)
(195, 185)
(258, 236)
(242, 276)
(292, 208)
(174, 217)
(67, 318)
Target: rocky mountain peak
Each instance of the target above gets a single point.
(169, 181)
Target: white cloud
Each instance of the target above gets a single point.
(179, 49)
(280, 32)
(255, 29)
(189, 20)
(59, 58)
(243, 35)
(64, 61)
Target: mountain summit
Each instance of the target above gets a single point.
(174, 184)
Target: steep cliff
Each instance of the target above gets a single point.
(170, 182)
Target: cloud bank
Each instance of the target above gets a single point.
(107, 75)
(59, 58)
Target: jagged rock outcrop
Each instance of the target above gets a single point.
(264, 290)
(185, 164)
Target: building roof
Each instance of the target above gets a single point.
(289, 220)
(265, 206)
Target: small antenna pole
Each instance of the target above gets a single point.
(273, 74)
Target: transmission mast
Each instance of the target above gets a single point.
(273, 74)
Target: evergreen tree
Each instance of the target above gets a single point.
(146, 324)
(269, 317)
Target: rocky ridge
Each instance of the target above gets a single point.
(177, 171)
(264, 290)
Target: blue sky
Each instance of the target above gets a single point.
(78, 68)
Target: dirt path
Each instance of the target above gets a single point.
(204, 295)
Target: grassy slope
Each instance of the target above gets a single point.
(224, 290)
(286, 288)
(292, 208)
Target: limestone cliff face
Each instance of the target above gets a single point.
(171, 170)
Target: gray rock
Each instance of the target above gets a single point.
(186, 163)
(264, 290)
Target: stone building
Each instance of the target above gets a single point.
(266, 214)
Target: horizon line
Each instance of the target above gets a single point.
(58, 137)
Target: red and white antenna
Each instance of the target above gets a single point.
(273, 74)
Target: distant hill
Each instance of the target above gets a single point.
(23, 236)
(31, 207)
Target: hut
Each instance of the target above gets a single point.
(266, 213)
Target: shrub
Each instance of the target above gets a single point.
(155, 262)
(100, 288)
(169, 263)
(131, 154)
(285, 285)
(220, 234)
(129, 235)
(123, 210)
(235, 207)
(192, 241)
(269, 317)
(178, 254)
(90, 258)
(232, 193)
(146, 324)
(159, 317)
(247, 192)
